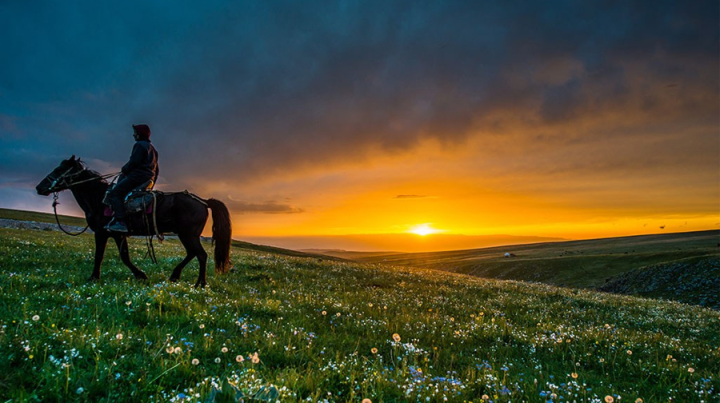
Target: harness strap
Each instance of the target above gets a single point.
(196, 197)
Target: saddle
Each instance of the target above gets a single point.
(140, 200)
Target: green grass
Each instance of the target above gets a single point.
(323, 331)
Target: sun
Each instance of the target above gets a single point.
(423, 230)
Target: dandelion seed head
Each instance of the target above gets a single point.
(609, 399)
(195, 361)
(239, 358)
(36, 318)
(396, 337)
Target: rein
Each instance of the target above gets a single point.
(55, 203)
(65, 177)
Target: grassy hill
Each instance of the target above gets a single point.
(582, 264)
(307, 329)
(21, 215)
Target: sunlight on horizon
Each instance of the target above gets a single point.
(423, 230)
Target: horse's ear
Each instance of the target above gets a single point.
(72, 158)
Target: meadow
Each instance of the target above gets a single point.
(293, 328)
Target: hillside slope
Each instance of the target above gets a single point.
(581, 264)
(301, 329)
(693, 281)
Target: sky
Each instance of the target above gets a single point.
(319, 120)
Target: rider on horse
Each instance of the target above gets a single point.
(142, 168)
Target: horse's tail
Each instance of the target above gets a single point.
(222, 235)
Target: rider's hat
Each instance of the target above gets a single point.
(142, 130)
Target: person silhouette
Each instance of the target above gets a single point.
(140, 169)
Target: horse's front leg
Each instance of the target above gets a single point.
(122, 245)
(101, 238)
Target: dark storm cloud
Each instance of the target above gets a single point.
(244, 89)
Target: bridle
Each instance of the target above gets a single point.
(66, 183)
(67, 179)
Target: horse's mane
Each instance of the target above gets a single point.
(90, 172)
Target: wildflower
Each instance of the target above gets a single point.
(609, 399)
(396, 337)
(324, 313)
(485, 397)
(239, 358)
(629, 352)
(119, 336)
(691, 370)
(217, 360)
(80, 390)
(195, 361)
(202, 326)
(574, 375)
(337, 314)
(178, 350)
(370, 305)
(255, 359)
(638, 400)
(374, 350)
(366, 401)
(668, 358)
(170, 349)
(224, 349)
(36, 318)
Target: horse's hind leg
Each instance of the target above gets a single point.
(122, 245)
(194, 249)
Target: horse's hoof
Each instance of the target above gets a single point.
(173, 279)
(141, 276)
(200, 285)
(93, 279)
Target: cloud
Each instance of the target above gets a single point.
(411, 197)
(268, 207)
(255, 91)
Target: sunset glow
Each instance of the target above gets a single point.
(423, 229)
(333, 126)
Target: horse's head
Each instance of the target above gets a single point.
(59, 178)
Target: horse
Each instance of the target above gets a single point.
(182, 213)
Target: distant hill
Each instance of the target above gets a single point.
(34, 220)
(406, 243)
(622, 263)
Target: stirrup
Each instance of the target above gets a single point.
(116, 226)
